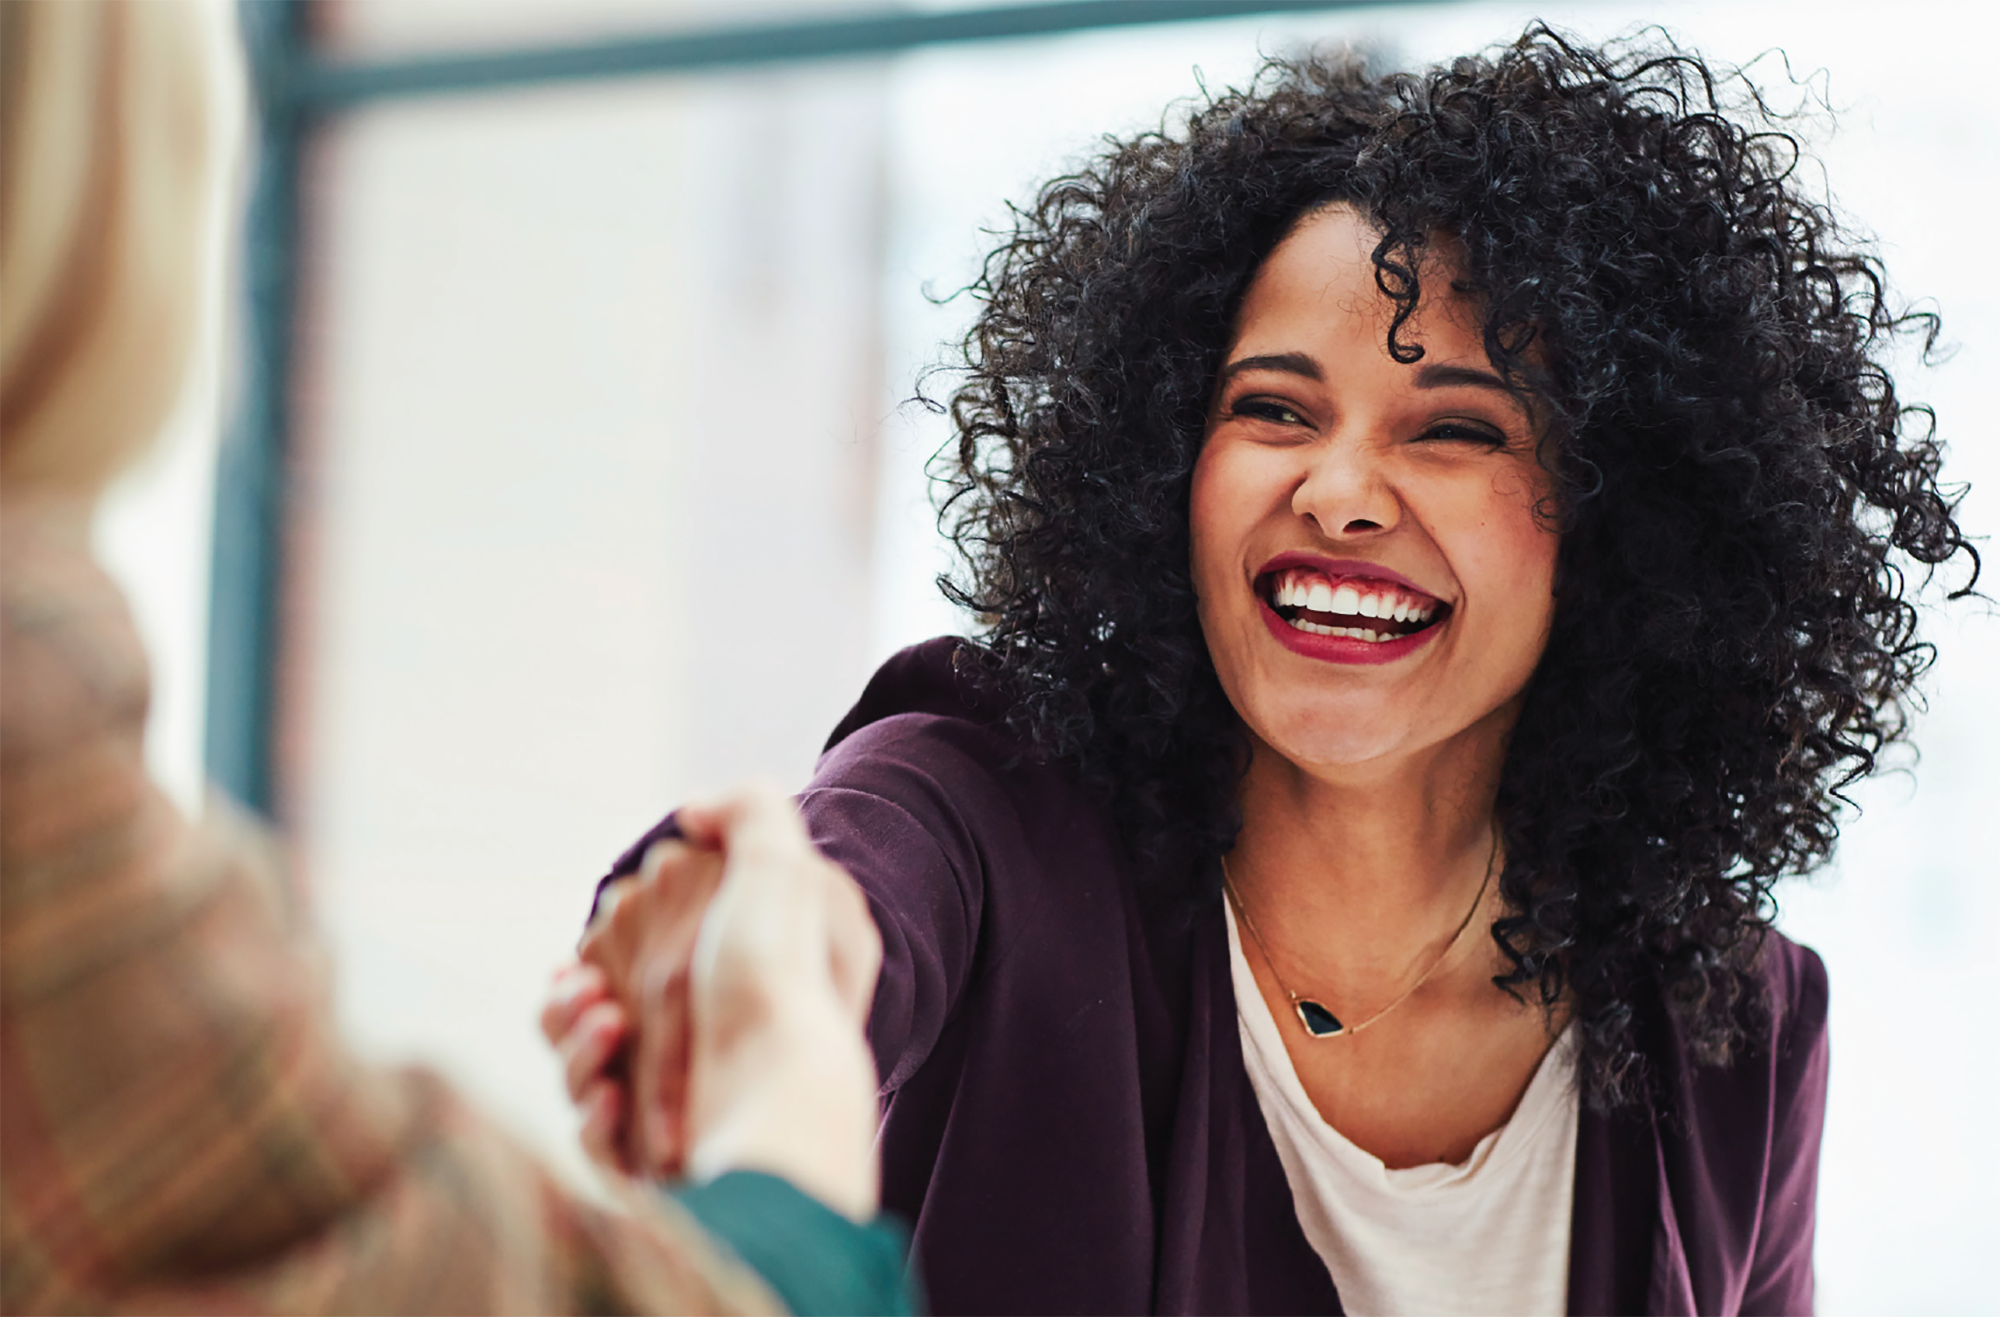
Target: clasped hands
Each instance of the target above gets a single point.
(713, 1020)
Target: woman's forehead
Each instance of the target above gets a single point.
(1321, 283)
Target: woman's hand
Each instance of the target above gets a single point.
(618, 1018)
(779, 1076)
(586, 1024)
(711, 1027)
(587, 1021)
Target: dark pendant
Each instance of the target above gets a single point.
(1318, 1020)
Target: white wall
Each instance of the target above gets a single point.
(589, 409)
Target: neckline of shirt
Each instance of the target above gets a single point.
(1552, 1086)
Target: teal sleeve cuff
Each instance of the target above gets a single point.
(819, 1262)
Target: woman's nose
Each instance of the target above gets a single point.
(1346, 493)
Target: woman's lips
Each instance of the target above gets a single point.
(1334, 568)
(1345, 611)
(1343, 648)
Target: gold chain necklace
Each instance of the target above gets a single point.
(1320, 1022)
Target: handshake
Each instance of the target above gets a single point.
(713, 1020)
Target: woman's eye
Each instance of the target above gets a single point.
(1266, 409)
(1465, 432)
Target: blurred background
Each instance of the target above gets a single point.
(550, 461)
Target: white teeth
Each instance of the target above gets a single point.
(1306, 590)
(1349, 632)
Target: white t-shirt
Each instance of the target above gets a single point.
(1490, 1235)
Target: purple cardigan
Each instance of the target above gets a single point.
(1068, 1124)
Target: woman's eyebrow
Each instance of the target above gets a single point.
(1444, 377)
(1291, 363)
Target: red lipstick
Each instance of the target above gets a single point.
(1341, 649)
(1336, 568)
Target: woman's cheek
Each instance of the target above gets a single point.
(1211, 532)
(1221, 517)
(1509, 556)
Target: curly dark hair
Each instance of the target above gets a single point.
(1740, 493)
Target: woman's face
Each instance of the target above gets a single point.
(1374, 579)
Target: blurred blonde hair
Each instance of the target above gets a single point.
(108, 181)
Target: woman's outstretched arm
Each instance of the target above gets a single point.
(899, 806)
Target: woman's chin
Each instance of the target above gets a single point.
(1338, 741)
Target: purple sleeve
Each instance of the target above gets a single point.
(925, 906)
(1781, 1274)
(628, 862)
(911, 805)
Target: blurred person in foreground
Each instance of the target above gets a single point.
(181, 1128)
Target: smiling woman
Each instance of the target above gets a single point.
(1428, 479)
(1399, 509)
(1334, 473)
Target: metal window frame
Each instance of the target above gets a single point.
(296, 90)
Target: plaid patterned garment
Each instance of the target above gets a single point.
(180, 1127)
